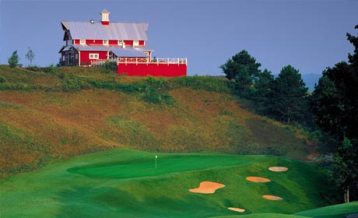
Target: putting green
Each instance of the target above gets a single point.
(125, 183)
(166, 163)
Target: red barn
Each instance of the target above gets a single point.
(93, 43)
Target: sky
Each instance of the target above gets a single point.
(308, 34)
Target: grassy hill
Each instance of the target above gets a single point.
(81, 142)
(54, 113)
(126, 183)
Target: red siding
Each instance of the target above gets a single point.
(141, 42)
(76, 41)
(152, 69)
(94, 42)
(85, 56)
(113, 42)
(128, 42)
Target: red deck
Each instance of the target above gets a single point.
(161, 67)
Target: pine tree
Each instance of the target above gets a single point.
(335, 108)
(263, 87)
(13, 60)
(287, 100)
(243, 69)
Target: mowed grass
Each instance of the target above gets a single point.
(125, 183)
(335, 211)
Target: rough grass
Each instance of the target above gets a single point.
(69, 111)
(125, 183)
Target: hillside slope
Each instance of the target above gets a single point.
(46, 116)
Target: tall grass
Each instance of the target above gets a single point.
(129, 132)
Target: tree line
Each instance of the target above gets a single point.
(332, 108)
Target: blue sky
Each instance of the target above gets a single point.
(308, 34)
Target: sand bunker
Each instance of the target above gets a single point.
(207, 187)
(257, 179)
(278, 169)
(236, 209)
(272, 197)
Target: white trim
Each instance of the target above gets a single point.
(105, 42)
(135, 43)
(93, 56)
(120, 43)
(79, 58)
(82, 42)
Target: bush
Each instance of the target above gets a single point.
(109, 66)
(17, 86)
(129, 88)
(71, 83)
(153, 96)
(34, 68)
(157, 83)
(204, 82)
(2, 79)
(50, 69)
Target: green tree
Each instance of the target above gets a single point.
(335, 108)
(243, 69)
(353, 58)
(263, 88)
(30, 55)
(14, 59)
(344, 171)
(287, 100)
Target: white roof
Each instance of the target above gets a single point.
(121, 52)
(112, 31)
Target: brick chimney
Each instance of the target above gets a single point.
(105, 17)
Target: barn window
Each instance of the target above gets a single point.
(105, 42)
(82, 42)
(93, 56)
(135, 43)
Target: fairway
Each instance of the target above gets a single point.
(128, 183)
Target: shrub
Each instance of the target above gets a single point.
(157, 83)
(34, 68)
(50, 69)
(71, 83)
(109, 66)
(153, 96)
(204, 82)
(129, 88)
(17, 86)
(2, 79)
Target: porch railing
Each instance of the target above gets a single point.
(142, 60)
(136, 60)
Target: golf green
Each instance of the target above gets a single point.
(128, 183)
